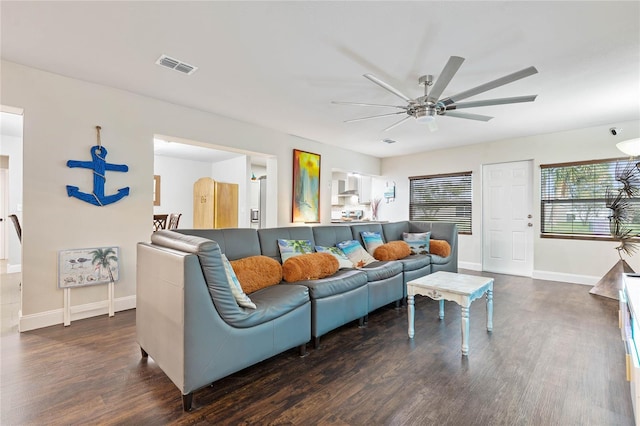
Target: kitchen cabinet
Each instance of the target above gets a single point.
(337, 187)
(364, 189)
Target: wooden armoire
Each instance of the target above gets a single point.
(215, 204)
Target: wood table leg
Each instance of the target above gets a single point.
(465, 330)
(490, 310)
(410, 313)
(441, 309)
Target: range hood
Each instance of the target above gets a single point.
(348, 188)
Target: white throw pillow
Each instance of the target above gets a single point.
(356, 253)
(343, 260)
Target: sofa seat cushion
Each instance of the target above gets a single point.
(415, 262)
(439, 260)
(273, 302)
(342, 281)
(377, 271)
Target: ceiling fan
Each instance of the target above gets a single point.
(425, 108)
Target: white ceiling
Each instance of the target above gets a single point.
(280, 64)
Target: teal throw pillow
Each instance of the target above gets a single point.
(372, 240)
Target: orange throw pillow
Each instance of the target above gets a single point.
(392, 250)
(256, 272)
(440, 248)
(309, 266)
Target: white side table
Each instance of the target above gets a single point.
(459, 288)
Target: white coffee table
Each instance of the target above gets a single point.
(459, 288)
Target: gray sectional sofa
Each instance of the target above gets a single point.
(188, 321)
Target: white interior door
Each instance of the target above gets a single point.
(507, 218)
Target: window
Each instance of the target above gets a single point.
(442, 198)
(573, 198)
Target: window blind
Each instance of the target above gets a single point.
(574, 197)
(442, 198)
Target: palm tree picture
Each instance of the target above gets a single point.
(106, 259)
(87, 266)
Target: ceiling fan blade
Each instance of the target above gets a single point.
(374, 116)
(490, 85)
(489, 102)
(398, 123)
(388, 87)
(445, 77)
(466, 115)
(369, 105)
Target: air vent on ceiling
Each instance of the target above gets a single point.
(175, 64)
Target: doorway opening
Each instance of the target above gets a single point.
(179, 163)
(11, 165)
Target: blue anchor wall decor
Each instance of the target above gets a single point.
(99, 166)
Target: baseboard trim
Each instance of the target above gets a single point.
(78, 312)
(472, 266)
(566, 278)
(544, 275)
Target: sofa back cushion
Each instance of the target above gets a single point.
(268, 238)
(235, 243)
(393, 231)
(330, 235)
(357, 230)
(439, 230)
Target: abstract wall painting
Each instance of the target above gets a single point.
(306, 187)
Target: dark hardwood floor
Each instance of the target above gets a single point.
(555, 357)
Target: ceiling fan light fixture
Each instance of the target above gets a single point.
(630, 147)
(426, 115)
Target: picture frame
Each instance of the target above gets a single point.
(88, 266)
(306, 187)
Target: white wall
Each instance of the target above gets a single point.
(11, 146)
(177, 177)
(60, 115)
(569, 260)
